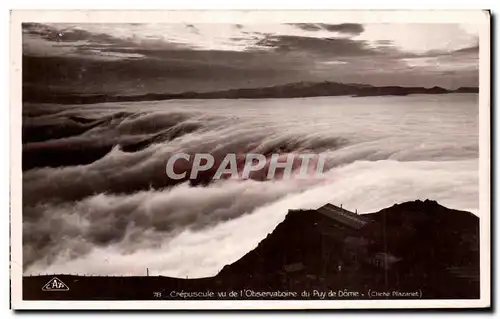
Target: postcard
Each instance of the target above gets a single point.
(250, 159)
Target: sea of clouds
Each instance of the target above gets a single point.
(96, 199)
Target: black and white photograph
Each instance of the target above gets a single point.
(312, 158)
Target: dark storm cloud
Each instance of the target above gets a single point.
(349, 28)
(163, 71)
(334, 47)
(85, 40)
(69, 35)
(307, 26)
(188, 66)
(352, 28)
(150, 65)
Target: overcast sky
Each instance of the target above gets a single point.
(142, 58)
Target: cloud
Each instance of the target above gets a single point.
(192, 28)
(307, 26)
(461, 61)
(348, 28)
(83, 42)
(53, 34)
(333, 47)
(472, 49)
(70, 213)
(164, 71)
(115, 203)
(351, 28)
(103, 220)
(95, 62)
(129, 59)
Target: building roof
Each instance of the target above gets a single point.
(343, 216)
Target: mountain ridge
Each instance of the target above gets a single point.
(290, 90)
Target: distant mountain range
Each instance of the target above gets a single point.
(292, 90)
(413, 250)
